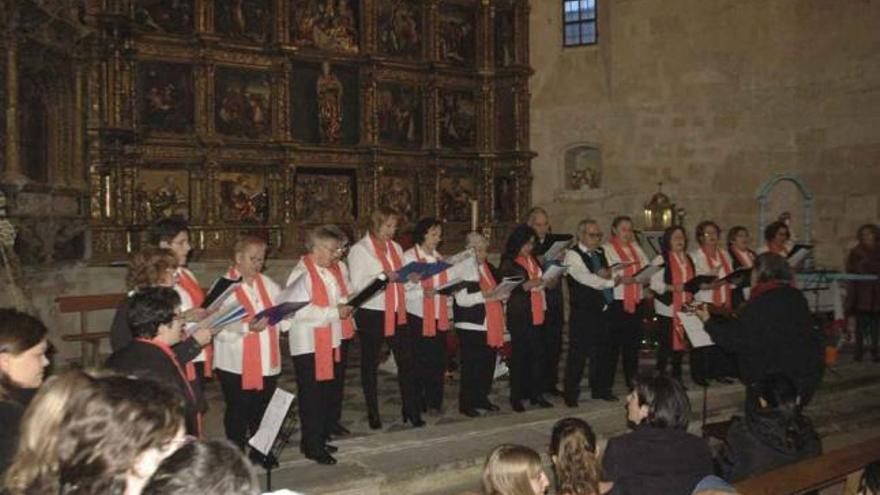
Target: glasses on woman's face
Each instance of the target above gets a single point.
(595, 236)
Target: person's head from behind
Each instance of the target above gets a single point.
(151, 267)
(514, 470)
(114, 434)
(23, 346)
(574, 456)
(204, 468)
(659, 402)
(771, 267)
(777, 396)
(172, 233)
(154, 314)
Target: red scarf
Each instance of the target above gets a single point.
(745, 257)
(429, 312)
(395, 286)
(347, 323)
(767, 286)
(720, 295)
(252, 359)
(494, 310)
(166, 349)
(681, 272)
(191, 286)
(534, 272)
(632, 293)
(325, 354)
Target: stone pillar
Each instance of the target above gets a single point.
(12, 171)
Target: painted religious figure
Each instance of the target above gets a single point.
(329, 105)
(165, 97)
(457, 119)
(505, 197)
(242, 103)
(243, 201)
(399, 33)
(399, 193)
(456, 40)
(504, 38)
(324, 196)
(249, 20)
(160, 201)
(325, 24)
(399, 111)
(166, 16)
(456, 194)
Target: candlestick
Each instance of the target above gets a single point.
(475, 214)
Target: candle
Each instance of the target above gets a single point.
(475, 214)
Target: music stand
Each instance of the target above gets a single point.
(270, 461)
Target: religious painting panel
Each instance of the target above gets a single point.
(325, 103)
(246, 20)
(505, 41)
(399, 28)
(457, 119)
(244, 196)
(504, 192)
(457, 35)
(242, 103)
(505, 116)
(165, 97)
(331, 25)
(166, 16)
(33, 122)
(161, 192)
(399, 115)
(458, 186)
(399, 189)
(3, 98)
(325, 195)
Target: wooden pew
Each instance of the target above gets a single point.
(90, 341)
(843, 464)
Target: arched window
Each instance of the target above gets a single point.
(579, 22)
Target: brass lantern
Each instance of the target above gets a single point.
(659, 211)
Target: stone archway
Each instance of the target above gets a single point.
(806, 203)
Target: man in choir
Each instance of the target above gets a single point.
(551, 335)
(315, 337)
(479, 321)
(525, 319)
(743, 258)
(384, 316)
(247, 356)
(591, 290)
(626, 326)
(710, 259)
(428, 316)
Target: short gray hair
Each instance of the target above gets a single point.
(475, 240)
(325, 232)
(535, 211)
(582, 225)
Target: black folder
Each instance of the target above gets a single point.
(368, 292)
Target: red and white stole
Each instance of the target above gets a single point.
(681, 272)
(720, 295)
(325, 354)
(166, 349)
(190, 285)
(632, 293)
(534, 272)
(252, 359)
(494, 310)
(744, 257)
(429, 312)
(347, 323)
(395, 264)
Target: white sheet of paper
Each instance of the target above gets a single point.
(695, 331)
(554, 271)
(460, 256)
(556, 249)
(645, 276)
(799, 256)
(272, 420)
(505, 287)
(465, 269)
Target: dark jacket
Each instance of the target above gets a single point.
(554, 295)
(774, 334)
(11, 411)
(120, 335)
(145, 360)
(661, 461)
(863, 296)
(519, 305)
(760, 443)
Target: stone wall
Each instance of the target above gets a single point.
(712, 98)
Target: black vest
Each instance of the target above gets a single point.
(583, 297)
(475, 314)
(666, 297)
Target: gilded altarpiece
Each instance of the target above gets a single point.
(272, 116)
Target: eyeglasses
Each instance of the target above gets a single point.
(595, 236)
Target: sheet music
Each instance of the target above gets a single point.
(233, 314)
(695, 331)
(505, 287)
(557, 248)
(465, 269)
(461, 256)
(554, 271)
(799, 255)
(273, 418)
(644, 276)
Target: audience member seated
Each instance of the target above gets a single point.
(773, 433)
(204, 468)
(37, 454)
(514, 470)
(156, 326)
(23, 359)
(112, 438)
(575, 461)
(660, 456)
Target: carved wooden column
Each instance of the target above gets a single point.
(12, 171)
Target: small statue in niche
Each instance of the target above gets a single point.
(584, 179)
(329, 105)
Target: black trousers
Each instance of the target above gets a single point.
(867, 325)
(198, 387)
(477, 369)
(665, 352)
(526, 360)
(588, 337)
(339, 370)
(627, 331)
(430, 364)
(244, 408)
(316, 402)
(551, 339)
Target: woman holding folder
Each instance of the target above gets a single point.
(479, 321)
(428, 316)
(743, 258)
(316, 336)
(384, 315)
(247, 357)
(525, 319)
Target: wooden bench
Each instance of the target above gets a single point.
(844, 464)
(90, 341)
